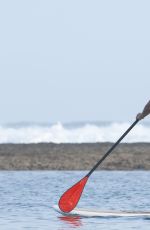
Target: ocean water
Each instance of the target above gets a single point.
(73, 133)
(27, 197)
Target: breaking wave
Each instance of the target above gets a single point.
(83, 133)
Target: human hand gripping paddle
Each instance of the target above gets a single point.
(70, 198)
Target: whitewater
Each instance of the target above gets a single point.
(73, 133)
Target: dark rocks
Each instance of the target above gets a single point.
(49, 156)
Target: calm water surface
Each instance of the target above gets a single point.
(27, 198)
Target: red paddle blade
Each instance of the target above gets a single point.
(70, 198)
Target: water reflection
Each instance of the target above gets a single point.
(74, 221)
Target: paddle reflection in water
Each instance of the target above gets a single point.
(75, 221)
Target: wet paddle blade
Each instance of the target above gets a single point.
(70, 198)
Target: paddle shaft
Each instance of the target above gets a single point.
(112, 148)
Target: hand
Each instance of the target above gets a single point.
(139, 116)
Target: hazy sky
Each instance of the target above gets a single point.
(73, 60)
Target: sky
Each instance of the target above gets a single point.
(73, 60)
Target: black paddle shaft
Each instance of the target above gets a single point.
(112, 148)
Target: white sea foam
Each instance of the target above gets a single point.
(58, 133)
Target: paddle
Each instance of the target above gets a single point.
(70, 198)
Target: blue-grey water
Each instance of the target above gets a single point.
(27, 197)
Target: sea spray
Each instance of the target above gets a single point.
(73, 133)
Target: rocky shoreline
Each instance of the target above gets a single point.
(49, 156)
